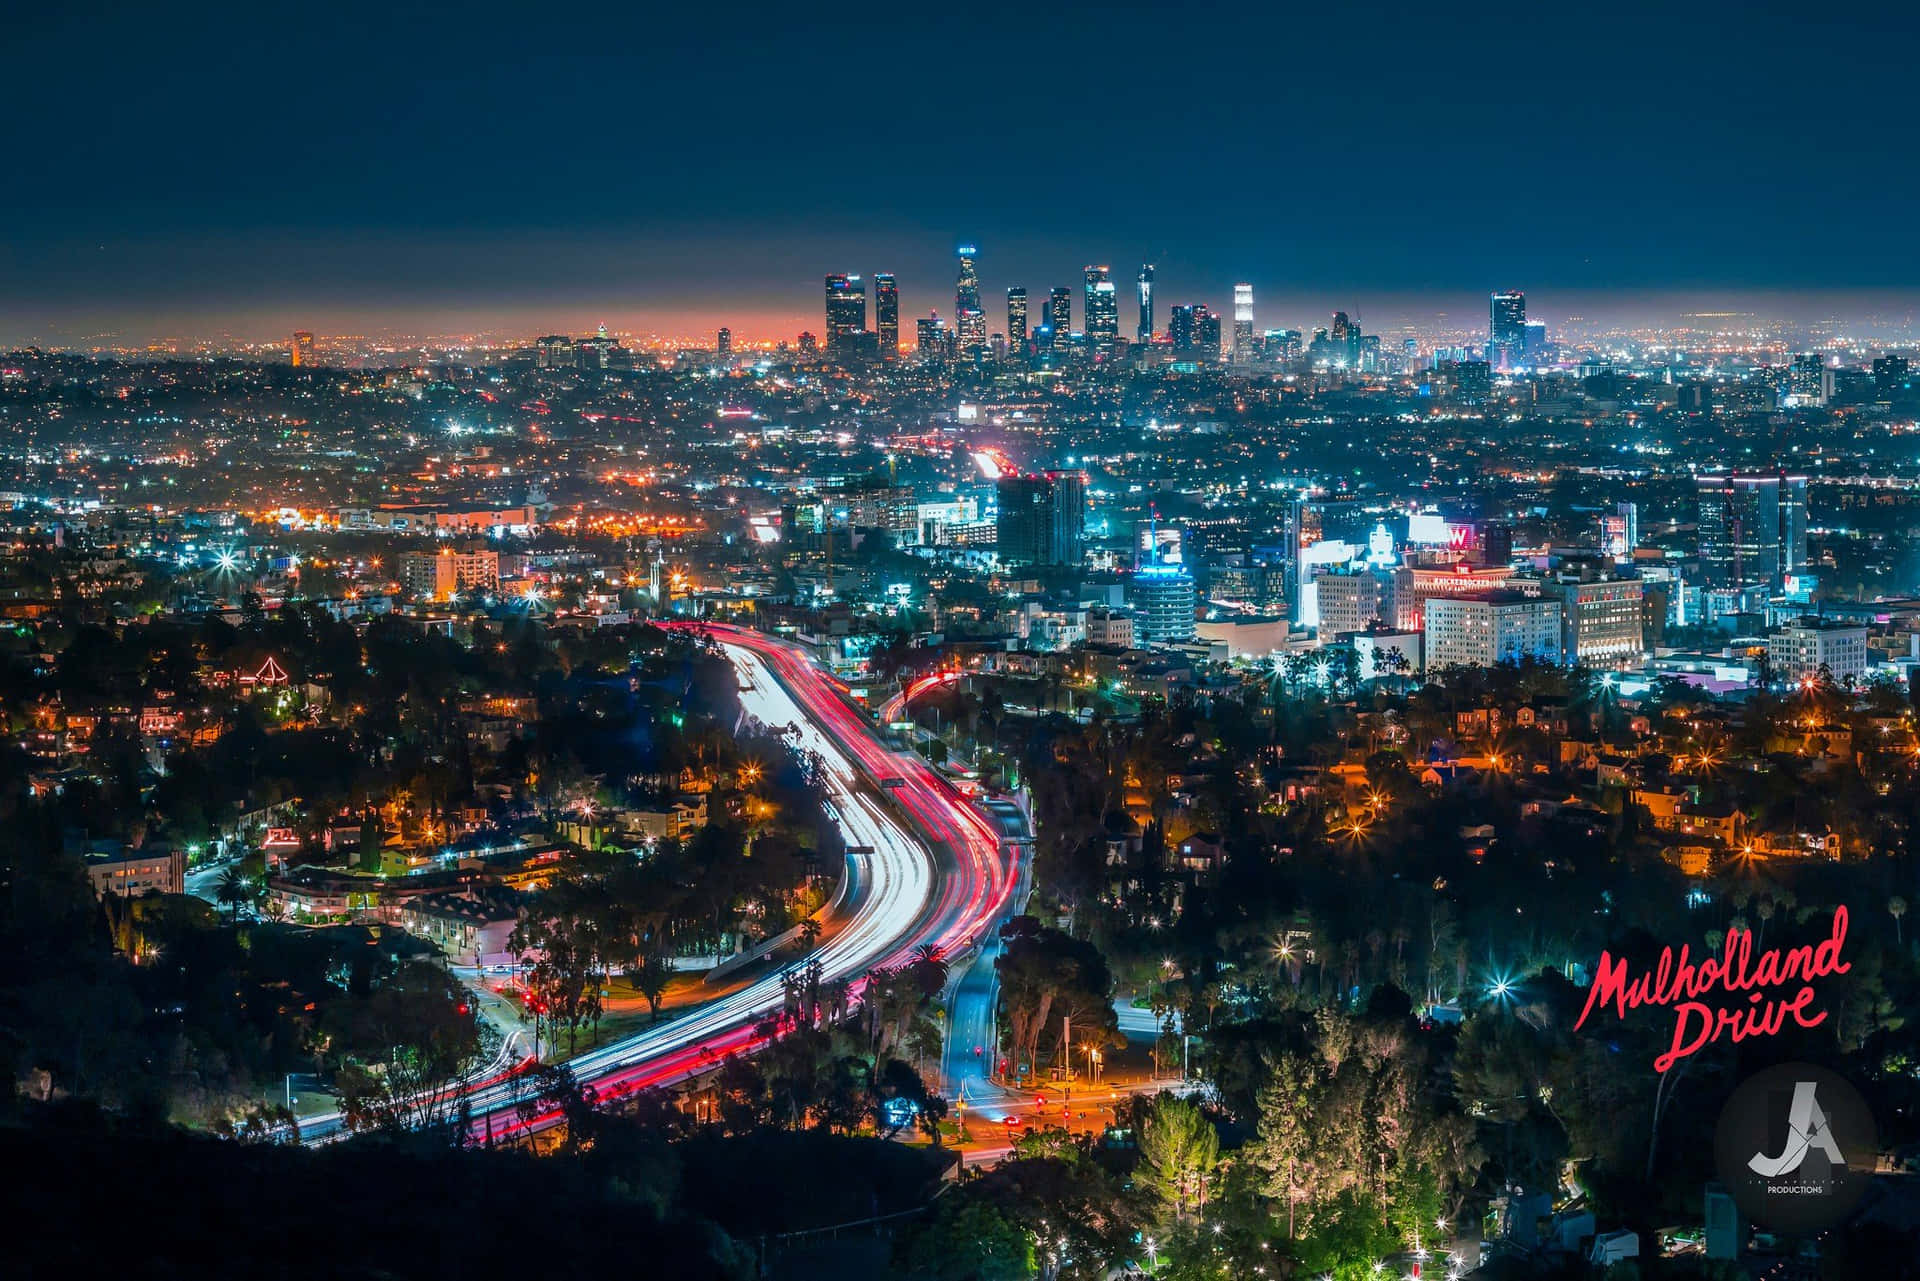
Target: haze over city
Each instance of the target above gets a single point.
(229, 168)
(1010, 643)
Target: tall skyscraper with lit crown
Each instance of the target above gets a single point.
(1242, 323)
(1103, 311)
(1143, 332)
(970, 320)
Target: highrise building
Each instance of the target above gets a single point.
(1506, 328)
(933, 339)
(1891, 375)
(1620, 531)
(302, 349)
(1060, 315)
(970, 319)
(1753, 530)
(1103, 311)
(723, 344)
(1041, 519)
(1180, 327)
(1206, 332)
(1144, 332)
(1017, 318)
(1809, 381)
(1161, 593)
(1243, 323)
(846, 314)
(1793, 525)
(886, 314)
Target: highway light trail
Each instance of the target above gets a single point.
(938, 877)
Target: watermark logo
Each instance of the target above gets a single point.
(1795, 1147)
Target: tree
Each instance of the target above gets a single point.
(1178, 1151)
(406, 1045)
(235, 890)
(968, 1240)
(649, 976)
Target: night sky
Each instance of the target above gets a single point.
(348, 167)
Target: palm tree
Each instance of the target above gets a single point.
(1897, 908)
(928, 969)
(234, 889)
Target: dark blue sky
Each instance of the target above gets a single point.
(364, 165)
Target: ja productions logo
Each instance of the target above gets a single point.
(1795, 1147)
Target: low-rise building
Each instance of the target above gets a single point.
(442, 575)
(132, 872)
(1801, 649)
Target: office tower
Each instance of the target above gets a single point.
(1243, 323)
(1162, 598)
(970, 319)
(1017, 318)
(723, 344)
(933, 340)
(1206, 332)
(1345, 341)
(302, 349)
(1041, 519)
(846, 314)
(1161, 593)
(886, 314)
(1890, 376)
(809, 343)
(1809, 381)
(1603, 620)
(1103, 311)
(1144, 332)
(1506, 328)
(597, 352)
(1495, 538)
(1741, 524)
(1793, 525)
(1536, 342)
(1060, 315)
(1180, 328)
(1281, 344)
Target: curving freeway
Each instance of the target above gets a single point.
(924, 867)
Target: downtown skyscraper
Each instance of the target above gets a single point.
(1017, 318)
(846, 314)
(970, 320)
(1143, 333)
(1506, 328)
(1060, 316)
(1243, 323)
(1103, 311)
(886, 314)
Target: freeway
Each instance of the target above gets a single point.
(924, 867)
